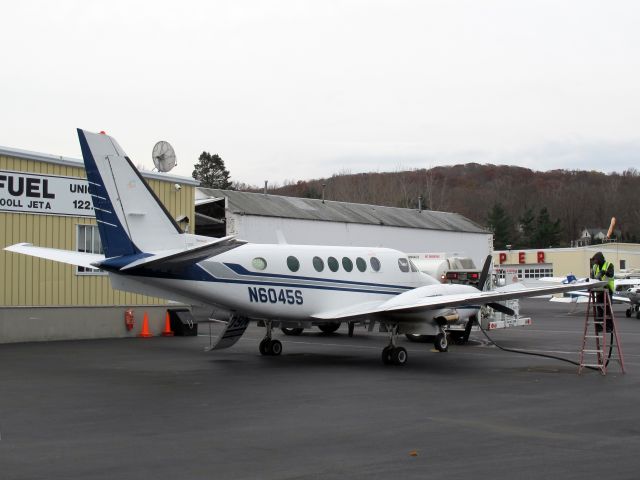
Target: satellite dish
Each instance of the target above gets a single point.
(164, 157)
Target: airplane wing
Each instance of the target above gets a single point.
(582, 297)
(571, 299)
(80, 259)
(417, 300)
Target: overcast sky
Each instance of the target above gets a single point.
(302, 89)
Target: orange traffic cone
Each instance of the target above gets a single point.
(145, 333)
(167, 327)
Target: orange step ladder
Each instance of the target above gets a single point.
(596, 352)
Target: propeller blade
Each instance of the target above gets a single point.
(484, 275)
(502, 309)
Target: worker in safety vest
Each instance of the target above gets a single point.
(602, 270)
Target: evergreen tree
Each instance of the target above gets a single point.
(211, 172)
(527, 228)
(502, 227)
(547, 232)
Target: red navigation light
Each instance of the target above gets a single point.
(102, 132)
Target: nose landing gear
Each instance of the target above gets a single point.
(269, 346)
(392, 354)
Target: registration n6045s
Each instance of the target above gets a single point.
(275, 295)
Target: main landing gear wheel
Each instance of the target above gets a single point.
(270, 347)
(628, 312)
(638, 314)
(329, 327)
(292, 331)
(399, 356)
(394, 355)
(441, 343)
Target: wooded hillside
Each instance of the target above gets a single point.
(573, 199)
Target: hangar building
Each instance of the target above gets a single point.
(264, 218)
(44, 200)
(558, 262)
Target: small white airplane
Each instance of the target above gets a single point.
(626, 290)
(145, 251)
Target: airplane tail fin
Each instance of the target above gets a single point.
(131, 219)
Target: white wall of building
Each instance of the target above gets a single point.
(308, 232)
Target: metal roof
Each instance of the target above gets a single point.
(74, 162)
(260, 204)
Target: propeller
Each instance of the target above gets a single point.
(482, 283)
(502, 309)
(484, 274)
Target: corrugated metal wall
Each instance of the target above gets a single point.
(29, 281)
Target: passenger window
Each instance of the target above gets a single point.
(259, 263)
(318, 264)
(333, 264)
(403, 263)
(361, 264)
(347, 264)
(293, 264)
(375, 264)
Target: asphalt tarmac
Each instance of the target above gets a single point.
(327, 408)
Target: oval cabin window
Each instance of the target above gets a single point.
(293, 263)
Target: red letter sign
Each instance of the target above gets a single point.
(503, 258)
(521, 257)
(540, 257)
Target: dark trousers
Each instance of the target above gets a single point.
(600, 310)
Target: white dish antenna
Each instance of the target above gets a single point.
(164, 157)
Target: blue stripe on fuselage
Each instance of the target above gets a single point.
(240, 270)
(199, 274)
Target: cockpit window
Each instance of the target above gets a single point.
(259, 263)
(413, 266)
(375, 264)
(293, 263)
(318, 264)
(333, 264)
(403, 263)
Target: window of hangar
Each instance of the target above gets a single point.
(526, 270)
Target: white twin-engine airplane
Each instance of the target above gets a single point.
(145, 251)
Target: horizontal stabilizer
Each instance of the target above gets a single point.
(177, 258)
(71, 257)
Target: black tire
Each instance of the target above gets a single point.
(414, 337)
(292, 331)
(387, 354)
(275, 348)
(399, 356)
(628, 312)
(441, 343)
(638, 314)
(329, 327)
(265, 347)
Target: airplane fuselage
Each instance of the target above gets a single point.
(295, 282)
